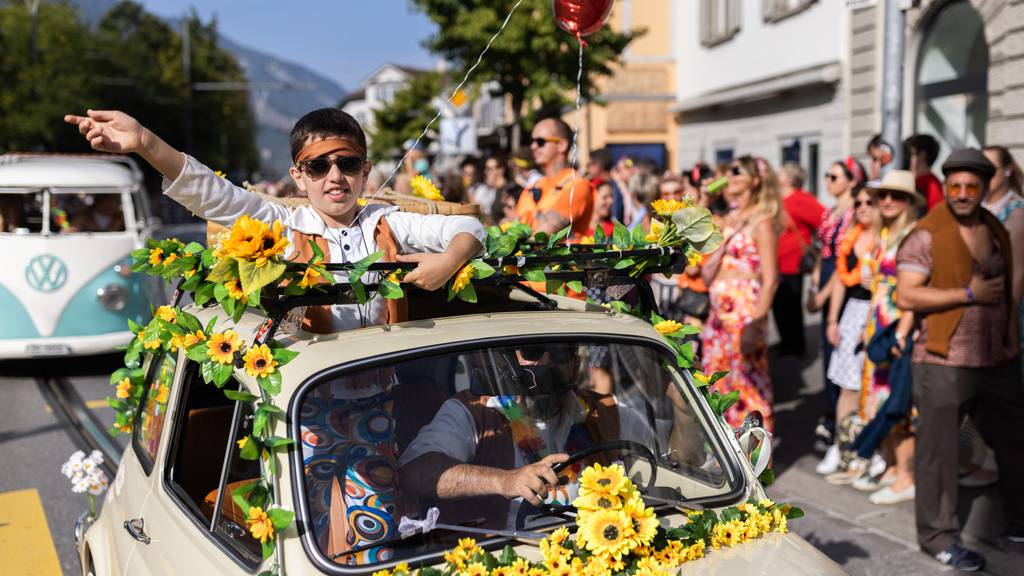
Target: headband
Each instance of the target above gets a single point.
(329, 146)
(853, 168)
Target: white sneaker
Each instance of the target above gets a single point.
(877, 467)
(830, 462)
(872, 483)
(887, 496)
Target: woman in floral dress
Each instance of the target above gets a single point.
(742, 277)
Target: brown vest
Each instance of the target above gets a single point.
(318, 318)
(952, 268)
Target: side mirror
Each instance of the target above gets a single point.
(756, 442)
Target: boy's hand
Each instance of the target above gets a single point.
(109, 131)
(432, 270)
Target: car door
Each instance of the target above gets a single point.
(198, 459)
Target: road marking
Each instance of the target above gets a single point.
(25, 543)
(90, 404)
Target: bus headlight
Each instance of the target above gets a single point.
(113, 297)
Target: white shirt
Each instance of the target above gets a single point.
(216, 199)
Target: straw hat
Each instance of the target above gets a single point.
(897, 181)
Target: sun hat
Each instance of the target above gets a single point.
(896, 181)
(969, 160)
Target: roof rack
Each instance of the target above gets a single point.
(593, 265)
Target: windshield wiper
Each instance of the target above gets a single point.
(657, 495)
(449, 527)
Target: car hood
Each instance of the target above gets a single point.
(771, 555)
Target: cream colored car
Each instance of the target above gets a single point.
(379, 413)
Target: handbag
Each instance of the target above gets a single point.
(809, 251)
(694, 303)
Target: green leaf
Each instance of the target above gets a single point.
(282, 355)
(559, 236)
(280, 518)
(502, 246)
(318, 254)
(207, 258)
(717, 376)
(534, 274)
(767, 478)
(639, 236)
(210, 325)
(468, 293)
(277, 441)
(575, 286)
(194, 248)
(655, 319)
(205, 293)
(554, 286)
(198, 353)
(271, 384)
(240, 396)
(206, 370)
(259, 422)
(482, 269)
(541, 237)
(363, 265)
(599, 236)
(267, 548)
(270, 408)
(389, 290)
(223, 271)
(256, 277)
(221, 373)
(793, 513)
(251, 450)
(239, 495)
(358, 290)
(624, 263)
(730, 514)
(694, 223)
(711, 244)
(621, 236)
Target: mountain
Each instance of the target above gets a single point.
(289, 91)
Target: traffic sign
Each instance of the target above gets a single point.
(458, 136)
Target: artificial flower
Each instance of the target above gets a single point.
(655, 233)
(167, 314)
(162, 394)
(727, 534)
(462, 279)
(586, 240)
(645, 523)
(309, 277)
(244, 240)
(393, 278)
(222, 347)
(362, 202)
(668, 207)
(235, 291)
(475, 569)
(667, 327)
(124, 388)
(156, 256)
(170, 258)
(609, 480)
(694, 258)
(607, 533)
(193, 338)
(424, 188)
(597, 501)
(243, 443)
(272, 243)
(260, 525)
(701, 378)
(259, 361)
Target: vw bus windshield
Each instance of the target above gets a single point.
(21, 212)
(450, 430)
(49, 212)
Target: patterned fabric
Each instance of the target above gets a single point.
(732, 307)
(874, 388)
(846, 367)
(351, 439)
(831, 232)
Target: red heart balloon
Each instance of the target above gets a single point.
(581, 17)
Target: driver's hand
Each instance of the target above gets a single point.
(533, 481)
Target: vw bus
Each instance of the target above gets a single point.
(67, 226)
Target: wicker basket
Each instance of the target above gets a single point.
(405, 203)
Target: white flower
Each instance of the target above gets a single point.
(80, 487)
(78, 456)
(96, 457)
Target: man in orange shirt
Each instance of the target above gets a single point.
(556, 191)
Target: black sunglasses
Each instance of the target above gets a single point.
(737, 170)
(317, 168)
(831, 177)
(860, 203)
(541, 141)
(898, 196)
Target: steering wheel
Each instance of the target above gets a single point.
(546, 509)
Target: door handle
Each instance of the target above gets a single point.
(135, 529)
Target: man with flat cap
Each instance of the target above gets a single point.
(953, 272)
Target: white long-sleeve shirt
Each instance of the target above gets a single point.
(216, 199)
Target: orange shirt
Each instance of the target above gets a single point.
(554, 195)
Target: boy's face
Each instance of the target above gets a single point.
(335, 193)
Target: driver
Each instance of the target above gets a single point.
(493, 452)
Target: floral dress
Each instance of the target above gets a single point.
(733, 302)
(874, 390)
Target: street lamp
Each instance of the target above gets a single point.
(33, 13)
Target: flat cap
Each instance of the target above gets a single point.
(969, 160)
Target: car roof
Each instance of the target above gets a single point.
(66, 171)
(318, 352)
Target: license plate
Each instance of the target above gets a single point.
(48, 350)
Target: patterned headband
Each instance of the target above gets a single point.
(854, 169)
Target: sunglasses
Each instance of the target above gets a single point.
(541, 142)
(892, 194)
(737, 170)
(972, 189)
(831, 177)
(860, 203)
(317, 168)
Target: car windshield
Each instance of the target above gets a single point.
(450, 430)
(23, 212)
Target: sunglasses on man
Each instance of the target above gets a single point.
(540, 142)
(317, 168)
(973, 189)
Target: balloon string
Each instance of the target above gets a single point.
(576, 134)
(440, 109)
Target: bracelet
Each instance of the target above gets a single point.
(970, 294)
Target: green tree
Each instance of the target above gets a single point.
(406, 116)
(34, 95)
(533, 60)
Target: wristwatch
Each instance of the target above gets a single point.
(970, 294)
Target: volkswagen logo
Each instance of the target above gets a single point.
(46, 273)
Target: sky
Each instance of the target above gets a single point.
(344, 40)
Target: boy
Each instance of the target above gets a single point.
(329, 150)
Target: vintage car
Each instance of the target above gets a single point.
(375, 413)
(67, 226)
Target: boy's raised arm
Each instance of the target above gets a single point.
(118, 133)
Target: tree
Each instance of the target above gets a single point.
(406, 116)
(533, 60)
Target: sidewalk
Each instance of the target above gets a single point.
(863, 538)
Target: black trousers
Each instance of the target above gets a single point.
(788, 310)
(943, 395)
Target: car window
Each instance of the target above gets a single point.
(378, 444)
(195, 462)
(159, 372)
(85, 212)
(21, 213)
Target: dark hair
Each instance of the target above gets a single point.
(469, 161)
(1007, 162)
(604, 158)
(324, 123)
(854, 171)
(561, 127)
(877, 142)
(698, 174)
(923, 143)
(501, 161)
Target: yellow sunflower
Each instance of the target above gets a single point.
(587, 240)
(402, 568)
(650, 567)
(667, 327)
(162, 394)
(235, 291)
(655, 233)
(780, 521)
(170, 258)
(424, 188)
(244, 239)
(272, 243)
(156, 256)
(475, 569)
(193, 338)
(151, 344)
(610, 480)
(259, 361)
(260, 525)
(393, 278)
(521, 567)
(124, 388)
(645, 523)
(607, 533)
(668, 207)
(222, 347)
(695, 550)
(462, 278)
(694, 259)
(309, 278)
(701, 378)
(727, 534)
(167, 314)
(597, 501)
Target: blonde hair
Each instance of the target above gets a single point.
(766, 196)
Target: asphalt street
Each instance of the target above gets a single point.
(865, 539)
